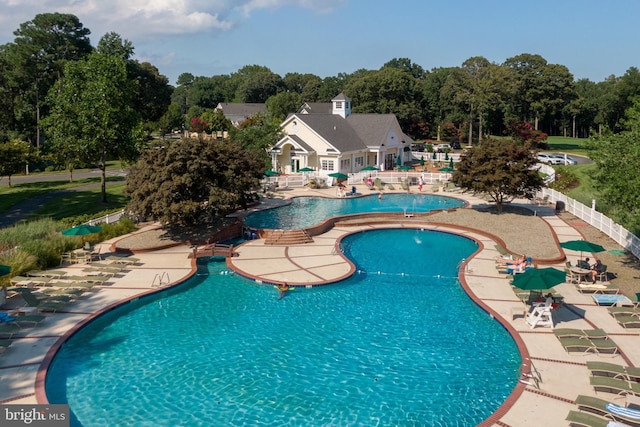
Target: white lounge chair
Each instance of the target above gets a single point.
(540, 316)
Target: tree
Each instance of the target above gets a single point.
(37, 55)
(258, 133)
(502, 169)
(617, 157)
(15, 155)
(171, 120)
(193, 181)
(92, 113)
(281, 105)
(112, 44)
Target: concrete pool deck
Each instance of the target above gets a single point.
(564, 375)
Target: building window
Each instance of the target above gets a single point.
(338, 105)
(345, 164)
(359, 161)
(327, 165)
(346, 104)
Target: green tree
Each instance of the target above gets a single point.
(193, 181)
(216, 120)
(15, 155)
(37, 56)
(112, 44)
(171, 120)
(502, 169)
(617, 157)
(281, 105)
(92, 114)
(258, 133)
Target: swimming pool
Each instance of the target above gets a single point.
(307, 211)
(398, 343)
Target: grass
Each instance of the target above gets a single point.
(568, 145)
(84, 203)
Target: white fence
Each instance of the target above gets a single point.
(107, 219)
(619, 234)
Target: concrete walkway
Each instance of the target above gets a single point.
(563, 376)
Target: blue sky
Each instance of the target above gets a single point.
(594, 39)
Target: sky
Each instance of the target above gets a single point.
(593, 39)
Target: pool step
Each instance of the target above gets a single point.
(287, 237)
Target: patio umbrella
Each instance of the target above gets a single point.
(399, 161)
(271, 173)
(82, 230)
(434, 155)
(421, 160)
(582, 246)
(305, 170)
(404, 168)
(369, 168)
(451, 163)
(446, 156)
(539, 279)
(338, 175)
(4, 270)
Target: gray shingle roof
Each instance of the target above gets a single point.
(335, 130)
(241, 109)
(372, 128)
(316, 108)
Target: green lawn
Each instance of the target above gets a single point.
(568, 145)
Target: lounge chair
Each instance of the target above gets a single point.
(540, 316)
(63, 291)
(628, 321)
(623, 311)
(592, 404)
(618, 300)
(98, 280)
(584, 419)
(8, 329)
(28, 281)
(597, 288)
(580, 333)
(45, 304)
(607, 409)
(73, 285)
(614, 385)
(605, 369)
(52, 274)
(122, 260)
(29, 320)
(586, 345)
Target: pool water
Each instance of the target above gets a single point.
(308, 211)
(398, 343)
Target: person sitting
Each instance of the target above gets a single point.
(584, 264)
(596, 269)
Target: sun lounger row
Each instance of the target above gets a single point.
(580, 333)
(604, 369)
(607, 409)
(587, 345)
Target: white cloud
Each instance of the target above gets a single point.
(142, 19)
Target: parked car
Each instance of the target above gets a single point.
(442, 148)
(565, 159)
(455, 145)
(549, 159)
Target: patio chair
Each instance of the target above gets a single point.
(8, 329)
(72, 285)
(605, 369)
(44, 304)
(122, 260)
(29, 320)
(623, 413)
(540, 316)
(597, 288)
(98, 280)
(614, 385)
(628, 321)
(581, 333)
(584, 419)
(618, 300)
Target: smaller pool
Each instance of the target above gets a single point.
(307, 211)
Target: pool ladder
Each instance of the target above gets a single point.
(160, 279)
(528, 374)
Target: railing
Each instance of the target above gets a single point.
(107, 219)
(159, 279)
(588, 214)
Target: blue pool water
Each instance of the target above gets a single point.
(399, 343)
(308, 211)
